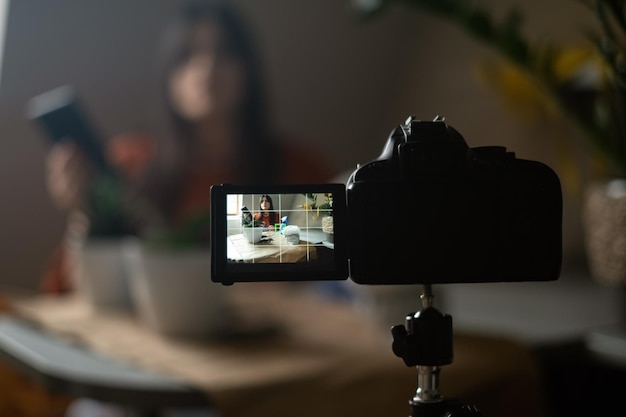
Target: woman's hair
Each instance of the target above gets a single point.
(268, 199)
(177, 49)
(257, 155)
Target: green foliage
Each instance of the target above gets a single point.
(253, 223)
(105, 209)
(325, 208)
(195, 232)
(602, 122)
(114, 210)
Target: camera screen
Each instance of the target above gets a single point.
(278, 233)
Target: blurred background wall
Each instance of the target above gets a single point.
(337, 82)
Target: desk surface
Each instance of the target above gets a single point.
(273, 248)
(326, 361)
(62, 365)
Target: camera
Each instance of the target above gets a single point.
(429, 210)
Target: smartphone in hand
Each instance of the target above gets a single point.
(60, 115)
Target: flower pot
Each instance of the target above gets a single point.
(253, 234)
(328, 228)
(100, 274)
(604, 222)
(173, 291)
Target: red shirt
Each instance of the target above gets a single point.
(268, 219)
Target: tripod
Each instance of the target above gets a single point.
(426, 343)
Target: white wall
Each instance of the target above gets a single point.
(337, 82)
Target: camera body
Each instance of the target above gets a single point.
(428, 210)
(431, 209)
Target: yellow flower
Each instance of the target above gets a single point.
(526, 97)
(571, 61)
(519, 91)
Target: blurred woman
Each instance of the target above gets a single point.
(218, 130)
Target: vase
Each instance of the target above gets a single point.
(604, 223)
(253, 234)
(328, 228)
(99, 273)
(173, 292)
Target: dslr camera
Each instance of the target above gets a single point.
(429, 210)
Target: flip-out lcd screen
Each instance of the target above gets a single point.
(294, 233)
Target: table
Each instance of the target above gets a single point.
(274, 248)
(325, 359)
(62, 365)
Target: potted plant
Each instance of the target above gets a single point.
(323, 210)
(253, 230)
(96, 241)
(170, 280)
(112, 212)
(128, 256)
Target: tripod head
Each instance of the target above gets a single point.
(425, 341)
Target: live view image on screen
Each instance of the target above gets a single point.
(279, 228)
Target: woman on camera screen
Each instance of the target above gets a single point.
(267, 216)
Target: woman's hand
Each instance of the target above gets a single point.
(69, 174)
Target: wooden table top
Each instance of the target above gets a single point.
(323, 357)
